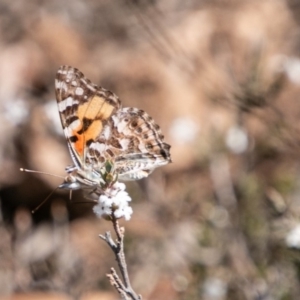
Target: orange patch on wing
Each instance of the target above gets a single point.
(93, 131)
(90, 134)
(97, 107)
(79, 144)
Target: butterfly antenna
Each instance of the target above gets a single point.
(43, 202)
(44, 173)
(40, 172)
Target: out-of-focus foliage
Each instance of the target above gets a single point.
(222, 79)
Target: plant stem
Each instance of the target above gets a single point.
(125, 290)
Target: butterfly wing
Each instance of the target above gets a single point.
(143, 145)
(84, 110)
(134, 143)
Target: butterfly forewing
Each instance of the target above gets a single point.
(84, 108)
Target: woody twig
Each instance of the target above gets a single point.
(123, 287)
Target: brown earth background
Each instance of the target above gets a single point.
(222, 78)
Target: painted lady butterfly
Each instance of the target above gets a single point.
(98, 130)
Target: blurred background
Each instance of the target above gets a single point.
(222, 79)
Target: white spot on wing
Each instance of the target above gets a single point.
(98, 146)
(69, 76)
(124, 143)
(67, 102)
(121, 125)
(61, 85)
(68, 131)
(79, 91)
(142, 148)
(75, 124)
(106, 133)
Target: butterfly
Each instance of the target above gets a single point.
(98, 130)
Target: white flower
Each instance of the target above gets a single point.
(105, 201)
(184, 130)
(114, 201)
(102, 210)
(125, 212)
(237, 139)
(293, 237)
